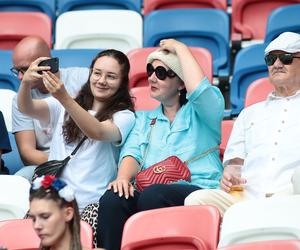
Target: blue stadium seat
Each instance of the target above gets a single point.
(48, 7)
(7, 80)
(249, 65)
(283, 19)
(75, 57)
(13, 160)
(69, 5)
(207, 28)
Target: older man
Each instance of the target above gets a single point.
(32, 140)
(263, 151)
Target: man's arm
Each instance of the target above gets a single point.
(26, 142)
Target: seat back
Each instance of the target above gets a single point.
(151, 5)
(7, 79)
(249, 65)
(70, 5)
(118, 29)
(183, 227)
(275, 218)
(17, 25)
(283, 19)
(6, 97)
(75, 57)
(191, 27)
(10, 211)
(248, 22)
(227, 126)
(28, 239)
(142, 98)
(266, 245)
(138, 61)
(258, 91)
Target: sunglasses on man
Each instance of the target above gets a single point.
(160, 72)
(16, 71)
(285, 59)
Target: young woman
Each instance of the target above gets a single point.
(188, 123)
(54, 214)
(102, 111)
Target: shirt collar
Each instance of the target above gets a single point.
(272, 96)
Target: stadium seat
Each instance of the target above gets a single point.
(249, 17)
(75, 57)
(48, 7)
(227, 126)
(118, 29)
(70, 5)
(138, 57)
(7, 79)
(283, 19)
(142, 98)
(191, 27)
(12, 159)
(14, 194)
(14, 26)
(182, 227)
(151, 5)
(249, 65)
(258, 91)
(275, 218)
(6, 97)
(10, 211)
(266, 245)
(28, 239)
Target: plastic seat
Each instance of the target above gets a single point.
(258, 91)
(14, 195)
(266, 245)
(9, 211)
(6, 96)
(143, 100)
(249, 65)
(7, 79)
(118, 29)
(283, 19)
(28, 239)
(75, 57)
(70, 5)
(275, 218)
(182, 227)
(191, 27)
(249, 17)
(227, 126)
(14, 26)
(48, 7)
(151, 5)
(138, 60)
(12, 159)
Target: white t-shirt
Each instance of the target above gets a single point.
(95, 163)
(267, 136)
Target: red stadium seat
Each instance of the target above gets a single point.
(182, 227)
(249, 17)
(151, 5)
(258, 91)
(266, 245)
(137, 57)
(143, 100)
(14, 26)
(226, 131)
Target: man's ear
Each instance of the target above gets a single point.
(69, 213)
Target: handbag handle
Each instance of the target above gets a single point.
(152, 123)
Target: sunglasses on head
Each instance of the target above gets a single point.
(285, 59)
(160, 72)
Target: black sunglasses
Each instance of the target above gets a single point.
(160, 72)
(16, 71)
(286, 59)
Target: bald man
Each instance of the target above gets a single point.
(33, 140)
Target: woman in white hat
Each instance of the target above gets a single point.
(187, 124)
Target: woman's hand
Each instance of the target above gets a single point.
(122, 186)
(54, 85)
(171, 45)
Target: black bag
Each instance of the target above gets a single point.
(55, 167)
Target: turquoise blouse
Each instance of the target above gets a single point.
(195, 129)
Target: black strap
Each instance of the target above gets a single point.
(78, 146)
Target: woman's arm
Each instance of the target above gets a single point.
(191, 70)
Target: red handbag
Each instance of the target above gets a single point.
(169, 170)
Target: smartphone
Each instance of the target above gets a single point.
(52, 62)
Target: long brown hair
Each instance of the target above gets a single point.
(121, 100)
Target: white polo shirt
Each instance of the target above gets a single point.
(267, 136)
